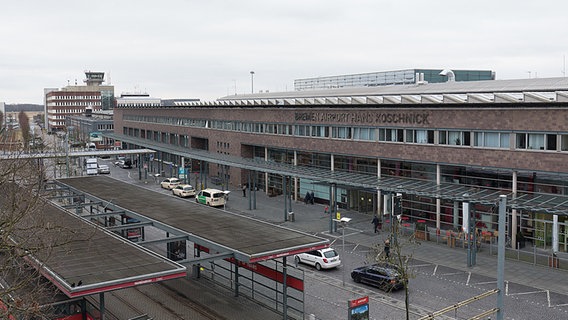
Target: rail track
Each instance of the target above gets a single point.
(157, 301)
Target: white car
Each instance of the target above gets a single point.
(183, 191)
(170, 183)
(103, 169)
(321, 259)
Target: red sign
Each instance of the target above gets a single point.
(358, 302)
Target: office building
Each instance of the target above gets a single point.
(75, 99)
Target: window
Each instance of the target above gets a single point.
(564, 142)
(341, 132)
(551, 142)
(491, 139)
(319, 131)
(420, 136)
(534, 141)
(363, 133)
(455, 138)
(394, 135)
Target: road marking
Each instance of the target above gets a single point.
(355, 248)
(531, 292)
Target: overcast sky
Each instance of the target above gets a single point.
(206, 49)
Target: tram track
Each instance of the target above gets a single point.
(158, 301)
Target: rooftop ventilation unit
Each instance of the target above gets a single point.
(449, 73)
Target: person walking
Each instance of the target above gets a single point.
(387, 248)
(376, 223)
(244, 190)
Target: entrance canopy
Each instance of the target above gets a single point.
(545, 203)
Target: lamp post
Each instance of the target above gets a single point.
(252, 82)
(69, 129)
(343, 222)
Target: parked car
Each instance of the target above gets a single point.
(321, 259)
(211, 197)
(385, 276)
(124, 163)
(183, 191)
(170, 183)
(103, 169)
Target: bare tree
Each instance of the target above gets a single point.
(401, 249)
(24, 128)
(24, 233)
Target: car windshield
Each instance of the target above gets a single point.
(188, 188)
(330, 254)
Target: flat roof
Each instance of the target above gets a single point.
(81, 258)
(250, 240)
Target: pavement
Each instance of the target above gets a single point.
(311, 218)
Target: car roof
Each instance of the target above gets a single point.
(212, 190)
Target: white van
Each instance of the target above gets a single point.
(211, 197)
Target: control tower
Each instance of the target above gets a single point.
(94, 78)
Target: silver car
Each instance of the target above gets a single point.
(184, 191)
(103, 169)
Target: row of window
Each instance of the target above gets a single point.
(483, 139)
(75, 103)
(105, 127)
(67, 97)
(67, 111)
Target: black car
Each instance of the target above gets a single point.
(382, 275)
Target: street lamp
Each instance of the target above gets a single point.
(69, 130)
(343, 222)
(252, 82)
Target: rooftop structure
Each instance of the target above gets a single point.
(387, 78)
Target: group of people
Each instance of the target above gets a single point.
(309, 198)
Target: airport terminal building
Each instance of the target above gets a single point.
(494, 136)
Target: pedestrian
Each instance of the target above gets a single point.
(244, 190)
(387, 248)
(312, 197)
(326, 210)
(376, 223)
(307, 198)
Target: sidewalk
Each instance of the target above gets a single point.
(312, 219)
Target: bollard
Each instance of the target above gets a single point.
(291, 216)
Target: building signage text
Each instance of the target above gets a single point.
(364, 117)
